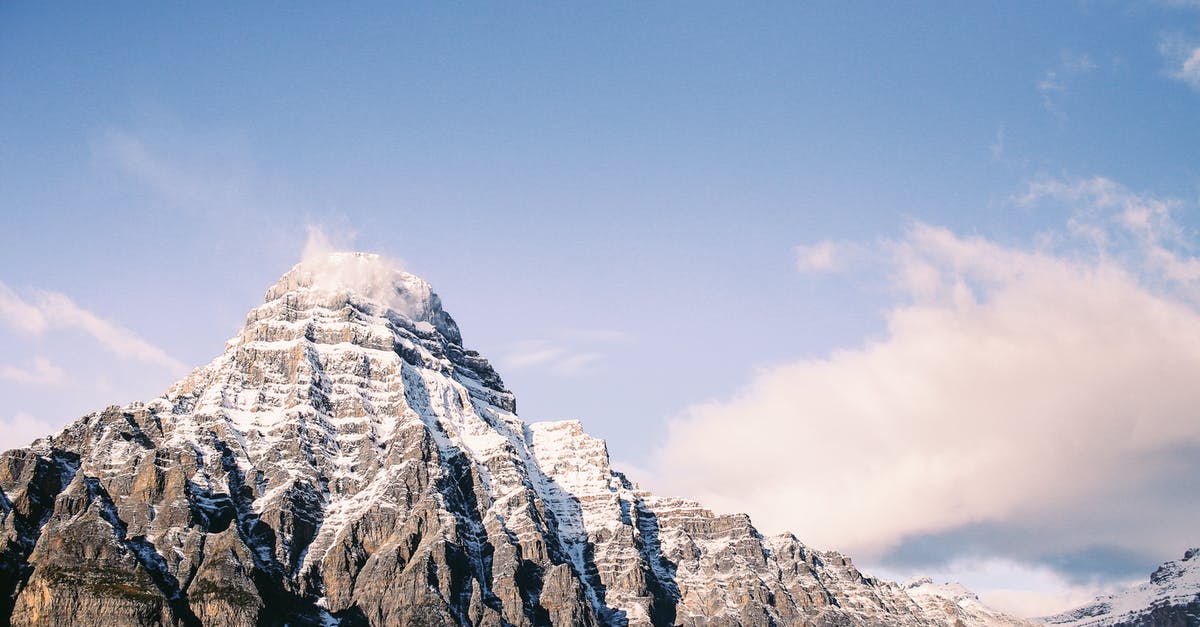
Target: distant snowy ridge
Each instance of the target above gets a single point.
(932, 597)
(1171, 597)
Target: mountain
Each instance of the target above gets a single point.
(1171, 597)
(955, 598)
(347, 461)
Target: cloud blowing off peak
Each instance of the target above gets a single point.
(327, 267)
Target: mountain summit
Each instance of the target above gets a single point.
(347, 461)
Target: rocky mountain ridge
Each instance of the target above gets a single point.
(347, 461)
(1170, 597)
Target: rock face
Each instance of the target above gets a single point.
(1171, 598)
(347, 461)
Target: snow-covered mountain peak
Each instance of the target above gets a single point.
(356, 312)
(948, 597)
(367, 281)
(954, 591)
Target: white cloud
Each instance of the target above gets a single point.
(1050, 86)
(1184, 56)
(555, 358)
(42, 373)
(594, 335)
(819, 257)
(572, 352)
(18, 314)
(1077, 63)
(21, 429)
(196, 172)
(572, 365)
(52, 310)
(1015, 588)
(1015, 385)
(997, 145)
(532, 353)
(1139, 227)
(134, 157)
(1054, 83)
(204, 178)
(62, 312)
(1189, 71)
(1055, 597)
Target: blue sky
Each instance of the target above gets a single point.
(609, 199)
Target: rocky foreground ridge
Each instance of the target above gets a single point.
(347, 461)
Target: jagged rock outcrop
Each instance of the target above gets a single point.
(1170, 599)
(347, 461)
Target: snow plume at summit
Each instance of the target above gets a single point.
(379, 278)
(1017, 393)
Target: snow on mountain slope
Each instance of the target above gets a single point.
(934, 597)
(347, 461)
(1171, 597)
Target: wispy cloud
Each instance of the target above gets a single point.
(828, 256)
(20, 429)
(187, 172)
(1184, 56)
(556, 358)
(1189, 72)
(1013, 587)
(204, 175)
(1139, 227)
(575, 364)
(134, 157)
(571, 352)
(593, 335)
(51, 310)
(818, 257)
(1001, 152)
(41, 373)
(20, 315)
(1055, 82)
(1050, 86)
(532, 353)
(997, 145)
